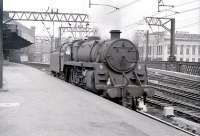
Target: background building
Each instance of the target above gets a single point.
(187, 46)
(15, 37)
(39, 51)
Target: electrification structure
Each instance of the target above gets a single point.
(74, 22)
(161, 4)
(79, 31)
(160, 21)
(71, 20)
(1, 44)
(101, 4)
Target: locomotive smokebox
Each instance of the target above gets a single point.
(115, 34)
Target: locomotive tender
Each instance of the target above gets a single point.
(109, 68)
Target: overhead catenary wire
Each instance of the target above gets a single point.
(180, 5)
(129, 4)
(184, 11)
(125, 6)
(111, 1)
(189, 25)
(138, 22)
(185, 3)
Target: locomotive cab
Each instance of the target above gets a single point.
(58, 57)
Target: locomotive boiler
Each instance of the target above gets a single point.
(107, 67)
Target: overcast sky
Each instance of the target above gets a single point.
(128, 18)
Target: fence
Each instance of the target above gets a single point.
(192, 68)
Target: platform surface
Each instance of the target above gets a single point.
(37, 104)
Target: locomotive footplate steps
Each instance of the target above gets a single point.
(48, 106)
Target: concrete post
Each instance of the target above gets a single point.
(60, 36)
(172, 40)
(52, 48)
(147, 45)
(1, 43)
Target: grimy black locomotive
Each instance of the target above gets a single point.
(107, 67)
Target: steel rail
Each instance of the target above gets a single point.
(164, 122)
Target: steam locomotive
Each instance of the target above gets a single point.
(109, 68)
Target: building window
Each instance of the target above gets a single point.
(199, 50)
(157, 51)
(193, 50)
(175, 49)
(193, 59)
(141, 51)
(168, 49)
(160, 50)
(149, 50)
(187, 59)
(181, 50)
(181, 59)
(187, 51)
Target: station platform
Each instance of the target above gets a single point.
(37, 104)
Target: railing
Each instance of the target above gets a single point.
(192, 68)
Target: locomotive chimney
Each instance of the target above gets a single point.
(115, 34)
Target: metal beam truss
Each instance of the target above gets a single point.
(47, 16)
(72, 20)
(80, 32)
(158, 21)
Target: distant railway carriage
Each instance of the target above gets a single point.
(109, 68)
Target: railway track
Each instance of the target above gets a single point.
(169, 124)
(173, 79)
(180, 108)
(177, 91)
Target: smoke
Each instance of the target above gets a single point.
(105, 22)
